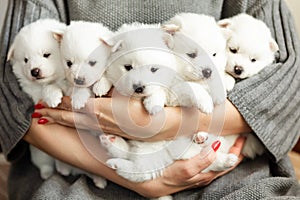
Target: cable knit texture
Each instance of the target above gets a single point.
(269, 102)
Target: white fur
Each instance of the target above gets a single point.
(206, 33)
(141, 161)
(251, 39)
(138, 51)
(200, 34)
(85, 47)
(36, 44)
(33, 43)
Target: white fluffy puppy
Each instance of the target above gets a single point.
(250, 46)
(141, 45)
(199, 40)
(36, 62)
(85, 48)
(213, 40)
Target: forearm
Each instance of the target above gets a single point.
(64, 143)
(130, 119)
(225, 120)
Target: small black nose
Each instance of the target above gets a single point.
(138, 88)
(238, 70)
(79, 80)
(35, 72)
(206, 72)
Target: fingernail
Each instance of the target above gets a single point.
(36, 115)
(43, 121)
(215, 146)
(39, 106)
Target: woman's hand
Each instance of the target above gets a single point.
(185, 174)
(180, 175)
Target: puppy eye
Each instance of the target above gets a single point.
(233, 50)
(92, 63)
(253, 60)
(214, 54)
(69, 63)
(46, 55)
(128, 67)
(191, 55)
(153, 69)
(25, 60)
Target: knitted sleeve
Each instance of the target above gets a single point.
(16, 106)
(270, 101)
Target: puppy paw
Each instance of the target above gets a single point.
(229, 82)
(54, 101)
(46, 171)
(231, 160)
(80, 97)
(219, 99)
(154, 110)
(52, 95)
(151, 107)
(107, 140)
(99, 182)
(101, 87)
(205, 106)
(200, 137)
(63, 168)
(113, 163)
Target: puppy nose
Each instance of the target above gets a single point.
(79, 80)
(206, 72)
(35, 72)
(138, 88)
(238, 70)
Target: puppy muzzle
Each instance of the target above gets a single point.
(36, 73)
(138, 88)
(79, 81)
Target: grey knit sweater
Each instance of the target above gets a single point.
(269, 102)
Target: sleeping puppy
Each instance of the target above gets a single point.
(85, 48)
(250, 46)
(36, 62)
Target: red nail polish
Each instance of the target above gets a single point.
(39, 106)
(215, 146)
(43, 121)
(36, 115)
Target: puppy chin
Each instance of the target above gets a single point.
(39, 79)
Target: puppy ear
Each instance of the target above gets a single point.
(226, 33)
(110, 43)
(170, 28)
(273, 45)
(58, 35)
(10, 54)
(117, 46)
(224, 23)
(168, 39)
